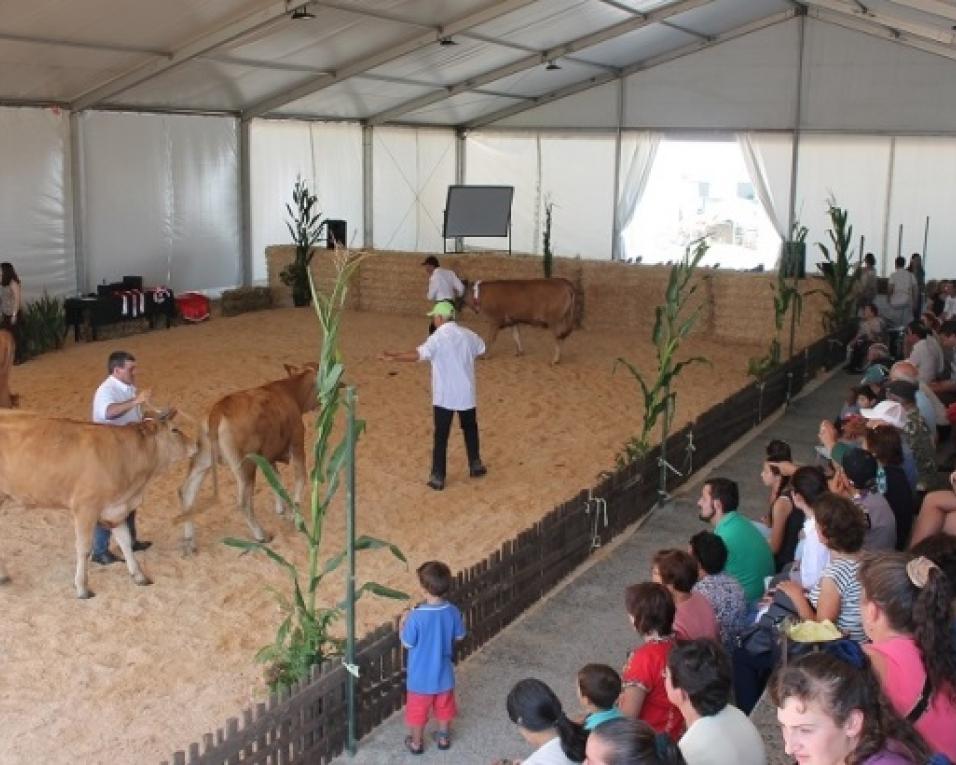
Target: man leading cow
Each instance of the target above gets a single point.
(117, 402)
(443, 284)
(452, 350)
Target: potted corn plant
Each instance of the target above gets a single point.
(305, 227)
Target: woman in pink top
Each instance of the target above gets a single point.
(906, 606)
(694, 618)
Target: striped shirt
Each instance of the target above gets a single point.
(845, 574)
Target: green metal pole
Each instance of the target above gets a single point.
(350, 554)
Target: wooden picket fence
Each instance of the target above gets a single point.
(307, 724)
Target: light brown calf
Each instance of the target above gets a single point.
(267, 421)
(97, 472)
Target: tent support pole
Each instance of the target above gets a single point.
(367, 137)
(245, 205)
(78, 186)
(616, 249)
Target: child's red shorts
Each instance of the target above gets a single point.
(418, 706)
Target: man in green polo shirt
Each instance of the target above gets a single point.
(749, 559)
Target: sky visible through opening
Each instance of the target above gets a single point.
(697, 188)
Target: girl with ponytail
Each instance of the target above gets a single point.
(537, 712)
(907, 610)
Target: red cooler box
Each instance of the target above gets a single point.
(193, 306)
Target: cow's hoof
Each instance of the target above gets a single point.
(188, 548)
(4, 579)
(85, 594)
(264, 538)
(142, 580)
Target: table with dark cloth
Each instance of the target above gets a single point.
(109, 309)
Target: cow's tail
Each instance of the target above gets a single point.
(213, 440)
(207, 443)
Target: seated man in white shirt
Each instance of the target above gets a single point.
(698, 683)
(117, 402)
(946, 389)
(443, 284)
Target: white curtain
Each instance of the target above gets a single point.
(638, 150)
(770, 176)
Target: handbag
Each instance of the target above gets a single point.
(764, 635)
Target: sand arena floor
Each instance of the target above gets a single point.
(137, 672)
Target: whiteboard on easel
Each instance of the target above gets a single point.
(478, 211)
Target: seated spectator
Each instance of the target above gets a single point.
(599, 688)
(938, 513)
(722, 591)
(651, 609)
(627, 742)
(698, 682)
(749, 558)
(783, 520)
(836, 597)
(917, 434)
(928, 403)
(537, 712)
(886, 444)
(860, 397)
(809, 484)
(831, 713)
(694, 616)
(870, 331)
(948, 309)
(891, 413)
(856, 480)
(941, 549)
(906, 614)
(946, 389)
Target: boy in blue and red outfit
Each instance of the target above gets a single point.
(429, 632)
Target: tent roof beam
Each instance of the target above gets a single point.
(639, 66)
(536, 59)
(359, 66)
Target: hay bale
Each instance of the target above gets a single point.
(244, 299)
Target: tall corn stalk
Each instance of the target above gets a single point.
(304, 638)
(786, 296)
(670, 329)
(841, 275)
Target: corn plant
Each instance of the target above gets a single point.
(305, 229)
(786, 296)
(838, 270)
(546, 239)
(670, 329)
(304, 637)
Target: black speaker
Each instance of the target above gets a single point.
(335, 232)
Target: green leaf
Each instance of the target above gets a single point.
(248, 546)
(272, 477)
(380, 590)
(365, 542)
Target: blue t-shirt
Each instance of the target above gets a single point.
(429, 634)
(596, 718)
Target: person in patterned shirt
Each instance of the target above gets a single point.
(721, 589)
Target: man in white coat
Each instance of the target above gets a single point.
(452, 350)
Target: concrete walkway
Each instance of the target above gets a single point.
(584, 619)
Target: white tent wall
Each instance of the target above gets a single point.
(328, 155)
(36, 199)
(853, 81)
(924, 184)
(574, 171)
(411, 171)
(161, 199)
(854, 171)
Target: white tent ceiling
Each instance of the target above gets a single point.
(380, 60)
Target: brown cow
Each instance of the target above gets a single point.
(98, 472)
(8, 347)
(550, 303)
(267, 421)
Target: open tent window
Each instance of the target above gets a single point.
(702, 188)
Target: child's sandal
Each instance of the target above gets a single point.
(442, 740)
(410, 746)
